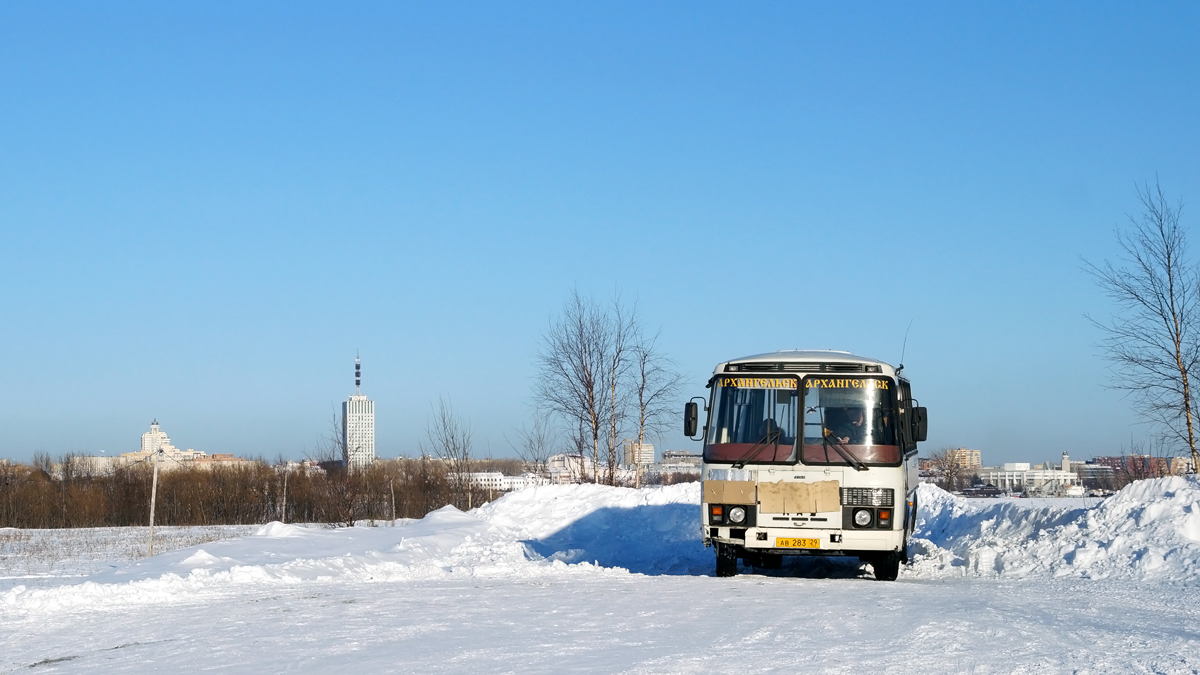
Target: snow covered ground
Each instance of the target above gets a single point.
(594, 579)
(48, 557)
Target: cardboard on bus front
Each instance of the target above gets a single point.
(729, 491)
(818, 497)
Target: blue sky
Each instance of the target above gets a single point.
(206, 209)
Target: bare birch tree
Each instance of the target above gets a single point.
(449, 437)
(572, 367)
(1152, 339)
(581, 441)
(599, 374)
(654, 383)
(620, 351)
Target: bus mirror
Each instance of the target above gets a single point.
(920, 424)
(691, 417)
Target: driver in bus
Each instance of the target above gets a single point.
(771, 433)
(849, 426)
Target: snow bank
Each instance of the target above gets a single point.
(652, 530)
(1149, 530)
(554, 530)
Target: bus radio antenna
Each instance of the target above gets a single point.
(904, 347)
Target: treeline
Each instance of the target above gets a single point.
(66, 494)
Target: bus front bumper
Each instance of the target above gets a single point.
(805, 541)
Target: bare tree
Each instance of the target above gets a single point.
(581, 441)
(600, 375)
(573, 366)
(345, 499)
(1152, 341)
(946, 462)
(654, 383)
(449, 437)
(331, 448)
(535, 445)
(619, 362)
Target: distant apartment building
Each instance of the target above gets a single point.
(1179, 465)
(638, 453)
(494, 480)
(681, 458)
(1134, 467)
(1093, 475)
(564, 469)
(676, 465)
(358, 425)
(965, 458)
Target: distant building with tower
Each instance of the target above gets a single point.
(157, 442)
(1020, 477)
(156, 438)
(358, 425)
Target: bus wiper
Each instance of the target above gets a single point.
(857, 463)
(767, 438)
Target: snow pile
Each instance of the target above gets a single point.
(1149, 530)
(651, 531)
(573, 529)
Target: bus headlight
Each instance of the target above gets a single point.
(737, 515)
(862, 517)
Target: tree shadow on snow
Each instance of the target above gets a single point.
(664, 539)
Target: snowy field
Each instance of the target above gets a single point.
(37, 557)
(613, 580)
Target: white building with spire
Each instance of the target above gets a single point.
(358, 425)
(156, 438)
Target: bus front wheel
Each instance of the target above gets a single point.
(886, 566)
(726, 560)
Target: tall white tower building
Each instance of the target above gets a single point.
(154, 439)
(358, 425)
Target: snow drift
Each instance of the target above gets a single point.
(1151, 529)
(554, 530)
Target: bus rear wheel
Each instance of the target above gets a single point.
(726, 560)
(886, 566)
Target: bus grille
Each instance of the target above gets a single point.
(868, 496)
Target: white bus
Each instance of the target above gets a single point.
(808, 453)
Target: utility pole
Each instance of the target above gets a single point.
(283, 511)
(392, 488)
(153, 494)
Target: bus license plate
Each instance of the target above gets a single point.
(797, 543)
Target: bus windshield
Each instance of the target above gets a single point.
(754, 419)
(850, 420)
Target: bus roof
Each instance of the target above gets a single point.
(813, 356)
